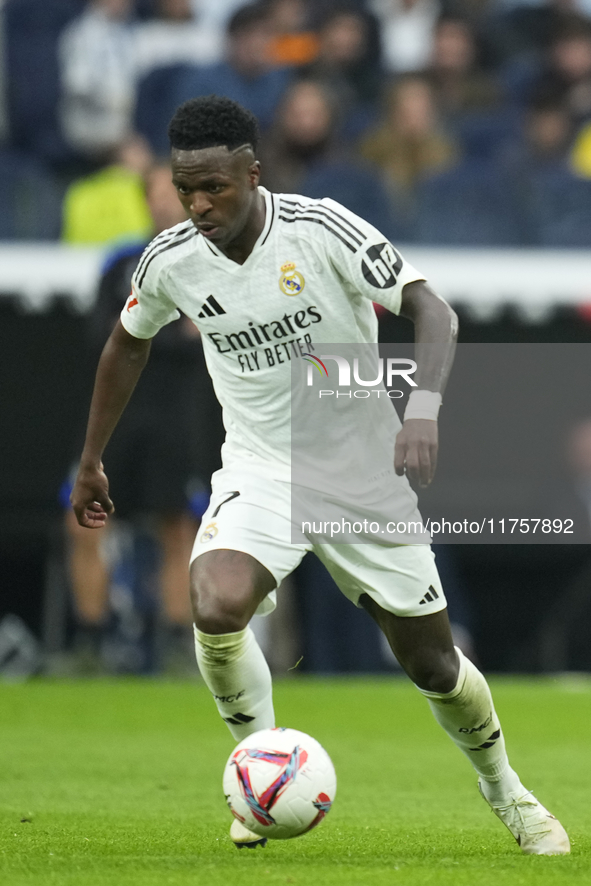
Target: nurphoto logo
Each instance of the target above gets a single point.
(387, 369)
(309, 358)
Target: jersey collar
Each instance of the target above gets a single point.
(263, 236)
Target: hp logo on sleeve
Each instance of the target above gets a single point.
(381, 265)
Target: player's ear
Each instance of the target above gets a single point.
(254, 174)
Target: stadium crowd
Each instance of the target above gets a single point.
(460, 122)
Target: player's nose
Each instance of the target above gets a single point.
(200, 203)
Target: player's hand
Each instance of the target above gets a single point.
(90, 497)
(415, 452)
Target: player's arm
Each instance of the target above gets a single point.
(120, 366)
(436, 332)
(373, 269)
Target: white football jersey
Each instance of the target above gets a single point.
(311, 277)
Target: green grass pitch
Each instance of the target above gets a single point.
(119, 783)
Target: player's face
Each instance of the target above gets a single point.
(218, 190)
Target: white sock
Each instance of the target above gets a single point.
(468, 716)
(236, 672)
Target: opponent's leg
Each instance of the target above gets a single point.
(176, 534)
(462, 704)
(89, 578)
(88, 571)
(226, 588)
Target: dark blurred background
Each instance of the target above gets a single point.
(460, 128)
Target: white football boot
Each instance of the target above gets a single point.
(536, 830)
(241, 836)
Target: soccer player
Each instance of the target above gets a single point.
(224, 269)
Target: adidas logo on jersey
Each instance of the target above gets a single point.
(429, 596)
(210, 308)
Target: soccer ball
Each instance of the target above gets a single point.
(279, 783)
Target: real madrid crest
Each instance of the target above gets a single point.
(209, 532)
(291, 281)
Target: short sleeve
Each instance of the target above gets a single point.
(148, 307)
(365, 259)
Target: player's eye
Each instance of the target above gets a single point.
(215, 188)
(183, 189)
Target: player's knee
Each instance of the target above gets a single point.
(434, 671)
(219, 607)
(216, 611)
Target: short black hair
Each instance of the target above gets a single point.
(212, 121)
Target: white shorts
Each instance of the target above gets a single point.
(252, 514)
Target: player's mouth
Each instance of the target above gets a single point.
(208, 230)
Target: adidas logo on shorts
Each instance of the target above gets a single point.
(429, 596)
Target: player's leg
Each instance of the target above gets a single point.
(399, 584)
(242, 552)
(396, 586)
(457, 692)
(226, 589)
(462, 704)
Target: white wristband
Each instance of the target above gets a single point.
(423, 404)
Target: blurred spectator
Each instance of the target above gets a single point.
(567, 71)
(156, 104)
(537, 162)
(294, 42)
(302, 136)
(303, 154)
(98, 77)
(561, 208)
(475, 203)
(460, 83)
(30, 198)
(519, 31)
(31, 32)
(580, 156)
(246, 74)
(549, 131)
(410, 142)
(348, 59)
(407, 28)
(162, 452)
(216, 13)
(176, 34)
(110, 204)
(546, 137)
